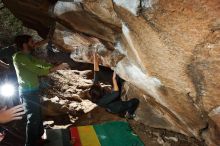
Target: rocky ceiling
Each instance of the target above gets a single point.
(167, 50)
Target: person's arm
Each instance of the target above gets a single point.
(96, 69)
(41, 43)
(41, 62)
(37, 67)
(52, 68)
(8, 115)
(114, 81)
(96, 62)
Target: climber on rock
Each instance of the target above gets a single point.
(28, 69)
(111, 100)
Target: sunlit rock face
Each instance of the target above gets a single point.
(167, 50)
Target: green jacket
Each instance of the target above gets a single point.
(28, 69)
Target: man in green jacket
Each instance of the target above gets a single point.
(28, 69)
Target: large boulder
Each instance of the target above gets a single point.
(167, 50)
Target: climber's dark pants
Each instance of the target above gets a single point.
(124, 106)
(114, 104)
(34, 127)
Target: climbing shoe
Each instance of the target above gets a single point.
(130, 116)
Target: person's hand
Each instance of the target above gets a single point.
(63, 66)
(14, 113)
(2, 136)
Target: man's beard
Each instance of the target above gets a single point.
(30, 49)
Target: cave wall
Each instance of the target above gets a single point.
(167, 50)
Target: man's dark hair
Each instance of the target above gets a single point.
(95, 92)
(21, 39)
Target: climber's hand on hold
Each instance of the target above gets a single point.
(62, 66)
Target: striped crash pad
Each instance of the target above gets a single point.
(58, 137)
(106, 134)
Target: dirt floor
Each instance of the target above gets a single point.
(65, 102)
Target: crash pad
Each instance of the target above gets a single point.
(106, 134)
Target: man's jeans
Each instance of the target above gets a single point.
(34, 127)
